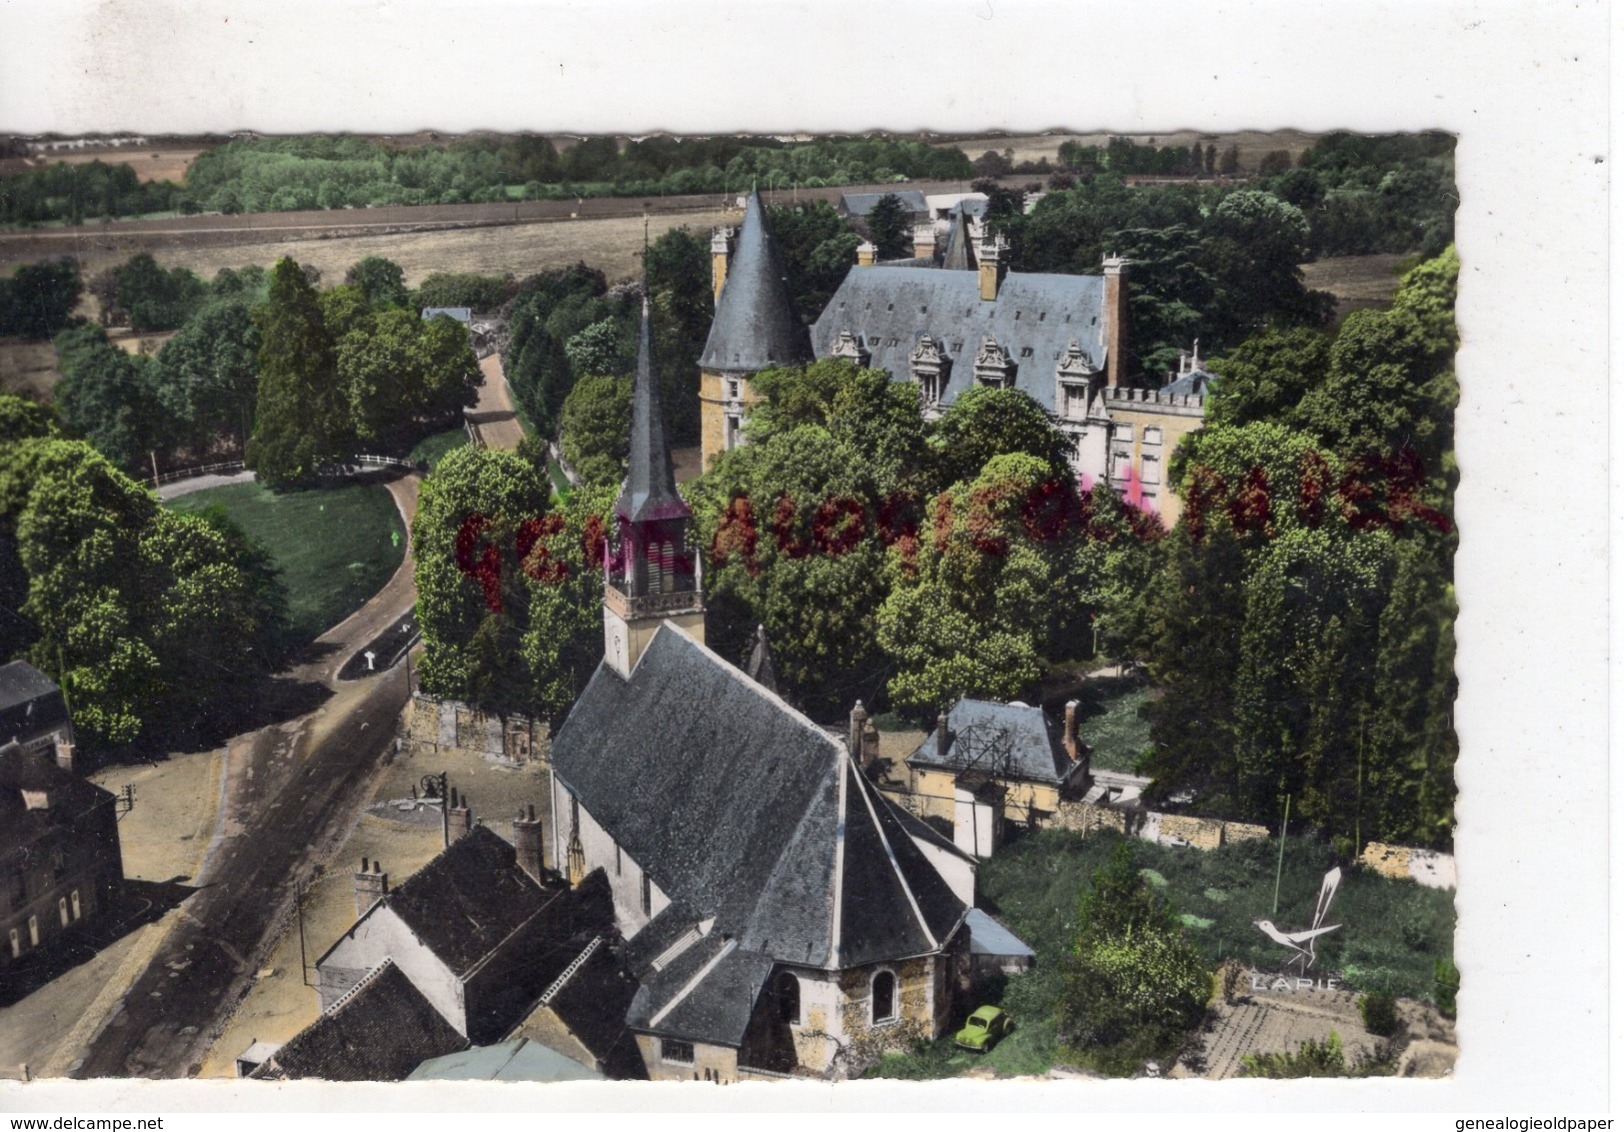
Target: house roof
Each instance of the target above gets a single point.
(68, 798)
(760, 666)
(592, 1003)
(1001, 740)
(749, 816)
(469, 899)
(861, 204)
(382, 1030)
(650, 488)
(518, 1060)
(461, 314)
(1034, 317)
(989, 937)
(21, 682)
(756, 326)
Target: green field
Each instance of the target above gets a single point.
(1393, 930)
(335, 547)
(433, 449)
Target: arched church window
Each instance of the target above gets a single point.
(789, 998)
(883, 996)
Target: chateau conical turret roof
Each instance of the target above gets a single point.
(650, 489)
(756, 326)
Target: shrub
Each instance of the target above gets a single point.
(1380, 1014)
(1445, 982)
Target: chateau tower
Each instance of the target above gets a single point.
(651, 573)
(756, 328)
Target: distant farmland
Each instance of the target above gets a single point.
(1251, 144)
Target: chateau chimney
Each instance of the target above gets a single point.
(66, 754)
(871, 742)
(1071, 731)
(527, 843)
(941, 735)
(866, 253)
(459, 819)
(854, 737)
(992, 262)
(721, 252)
(371, 886)
(924, 246)
(1116, 314)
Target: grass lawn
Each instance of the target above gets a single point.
(1392, 933)
(433, 448)
(1110, 721)
(335, 547)
(561, 483)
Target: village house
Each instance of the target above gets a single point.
(60, 864)
(33, 711)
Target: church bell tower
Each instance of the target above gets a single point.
(651, 571)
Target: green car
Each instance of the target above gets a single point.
(983, 1029)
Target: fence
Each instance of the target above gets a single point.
(232, 467)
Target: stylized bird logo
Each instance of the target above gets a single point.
(1304, 955)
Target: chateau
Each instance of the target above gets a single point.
(951, 322)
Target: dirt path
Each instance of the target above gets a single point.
(494, 421)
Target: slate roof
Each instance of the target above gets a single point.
(1186, 385)
(741, 810)
(756, 326)
(71, 799)
(1034, 751)
(959, 255)
(889, 308)
(381, 1031)
(460, 314)
(593, 1004)
(650, 488)
(517, 1060)
(989, 937)
(21, 682)
(469, 899)
(861, 204)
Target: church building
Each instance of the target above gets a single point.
(781, 915)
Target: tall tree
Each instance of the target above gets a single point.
(108, 397)
(207, 375)
(983, 423)
(301, 422)
(380, 279)
(888, 227)
(38, 299)
(596, 429)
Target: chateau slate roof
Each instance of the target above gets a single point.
(381, 1031)
(756, 326)
(1190, 384)
(744, 812)
(861, 204)
(470, 898)
(1034, 317)
(650, 488)
(1028, 743)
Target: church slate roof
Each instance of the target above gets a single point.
(381, 1031)
(1034, 317)
(741, 809)
(1035, 752)
(756, 326)
(650, 488)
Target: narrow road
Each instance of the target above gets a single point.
(293, 790)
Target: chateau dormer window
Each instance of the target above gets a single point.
(849, 345)
(929, 367)
(994, 368)
(1074, 375)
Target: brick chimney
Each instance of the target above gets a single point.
(1076, 749)
(527, 844)
(67, 754)
(459, 818)
(871, 743)
(866, 253)
(854, 737)
(371, 886)
(992, 262)
(942, 741)
(721, 252)
(924, 244)
(1116, 315)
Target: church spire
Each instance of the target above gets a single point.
(650, 489)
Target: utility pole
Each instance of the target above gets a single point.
(298, 906)
(1281, 864)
